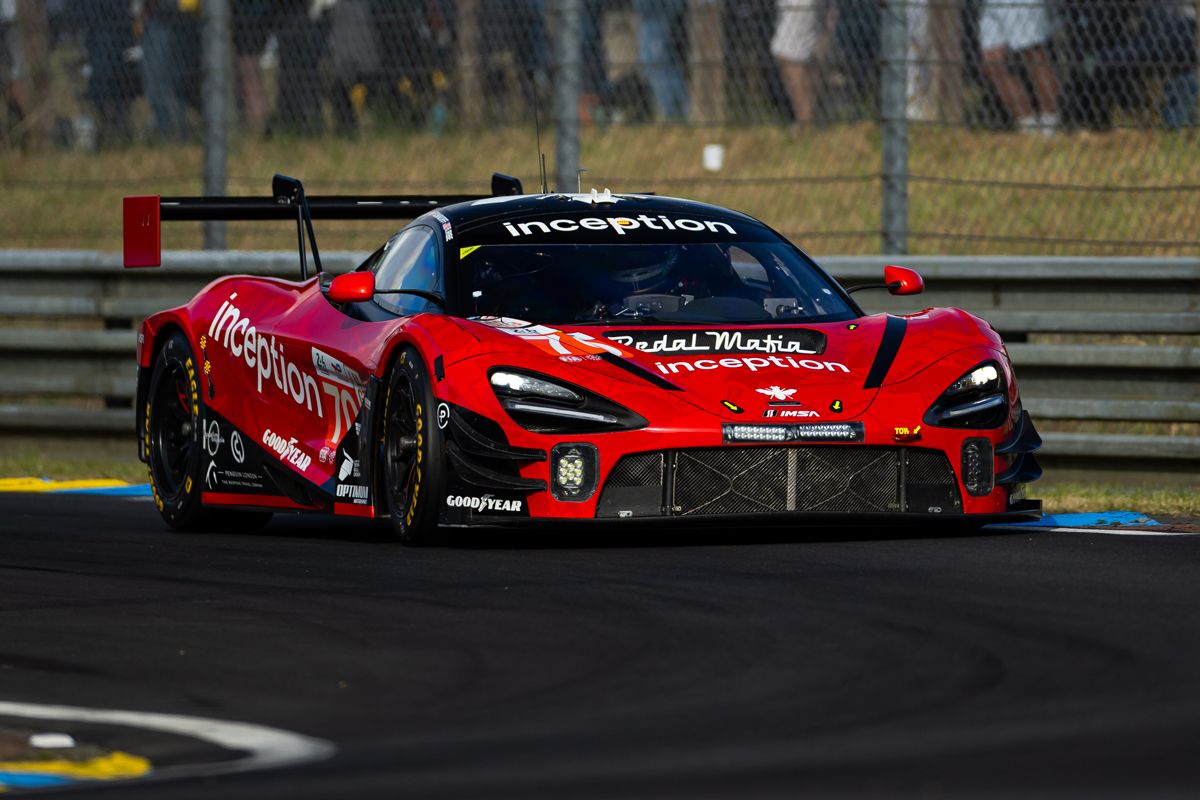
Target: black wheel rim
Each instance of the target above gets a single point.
(401, 444)
(171, 431)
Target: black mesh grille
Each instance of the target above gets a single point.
(740, 480)
(643, 469)
(813, 479)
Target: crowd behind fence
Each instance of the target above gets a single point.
(97, 75)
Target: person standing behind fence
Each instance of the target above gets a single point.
(658, 50)
(802, 32)
(1023, 27)
(170, 63)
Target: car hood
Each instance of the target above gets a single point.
(740, 372)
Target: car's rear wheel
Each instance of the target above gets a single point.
(413, 464)
(174, 415)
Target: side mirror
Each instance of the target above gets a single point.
(353, 287)
(902, 280)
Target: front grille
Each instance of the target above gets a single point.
(643, 469)
(812, 479)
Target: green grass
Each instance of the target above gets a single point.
(1057, 498)
(820, 186)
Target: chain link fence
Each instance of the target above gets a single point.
(853, 126)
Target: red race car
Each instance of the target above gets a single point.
(562, 357)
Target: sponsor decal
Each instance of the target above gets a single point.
(903, 434)
(463, 252)
(237, 448)
(773, 340)
(326, 455)
(211, 475)
(789, 413)
(734, 407)
(352, 491)
(416, 492)
(213, 438)
(752, 363)
(621, 225)
(836, 406)
(550, 340)
(448, 231)
(349, 468)
(443, 416)
(485, 503)
(777, 392)
(286, 450)
(238, 335)
(345, 388)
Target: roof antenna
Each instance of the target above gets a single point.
(537, 127)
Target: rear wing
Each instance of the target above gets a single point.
(143, 215)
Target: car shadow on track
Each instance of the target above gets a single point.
(620, 534)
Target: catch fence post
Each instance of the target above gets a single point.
(893, 109)
(216, 110)
(568, 86)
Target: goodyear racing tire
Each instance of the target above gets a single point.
(413, 461)
(174, 455)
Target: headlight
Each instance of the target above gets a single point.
(543, 404)
(516, 384)
(985, 378)
(976, 400)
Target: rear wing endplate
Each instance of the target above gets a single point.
(143, 215)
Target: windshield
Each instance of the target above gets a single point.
(649, 283)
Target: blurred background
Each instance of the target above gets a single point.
(1037, 160)
(853, 126)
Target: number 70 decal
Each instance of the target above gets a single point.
(345, 408)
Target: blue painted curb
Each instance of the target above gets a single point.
(1105, 519)
(135, 490)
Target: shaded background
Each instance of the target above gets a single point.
(107, 97)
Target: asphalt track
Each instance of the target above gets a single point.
(730, 663)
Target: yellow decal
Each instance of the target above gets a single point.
(194, 386)
(836, 406)
(463, 252)
(46, 485)
(852, 326)
(203, 342)
(114, 766)
(412, 502)
(187, 486)
(734, 407)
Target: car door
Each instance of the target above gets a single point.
(338, 348)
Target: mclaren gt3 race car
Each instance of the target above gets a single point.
(563, 357)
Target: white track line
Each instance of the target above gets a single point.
(266, 748)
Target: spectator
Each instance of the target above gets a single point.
(659, 29)
(301, 33)
(252, 22)
(802, 31)
(1021, 28)
(171, 64)
(518, 28)
(112, 81)
(12, 67)
(1156, 41)
(356, 63)
(920, 103)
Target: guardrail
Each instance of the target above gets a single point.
(67, 321)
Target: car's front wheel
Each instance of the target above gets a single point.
(413, 464)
